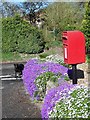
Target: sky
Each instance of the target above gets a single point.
(14, 1)
(21, 0)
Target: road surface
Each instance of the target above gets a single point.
(15, 102)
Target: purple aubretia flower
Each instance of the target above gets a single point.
(53, 96)
(33, 68)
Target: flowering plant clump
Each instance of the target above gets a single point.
(56, 59)
(66, 101)
(53, 96)
(34, 68)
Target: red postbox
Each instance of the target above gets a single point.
(74, 47)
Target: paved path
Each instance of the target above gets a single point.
(15, 102)
(7, 68)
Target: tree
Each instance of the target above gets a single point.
(8, 9)
(31, 8)
(61, 17)
(24, 8)
(86, 26)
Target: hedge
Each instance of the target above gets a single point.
(20, 36)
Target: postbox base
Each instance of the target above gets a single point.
(80, 74)
(75, 74)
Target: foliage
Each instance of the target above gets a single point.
(29, 8)
(75, 105)
(52, 44)
(41, 83)
(18, 35)
(56, 43)
(61, 17)
(86, 26)
(88, 58)
(8, 9)
(23, 8)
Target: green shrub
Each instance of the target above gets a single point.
(86, 26)
(18, 35)
(41, 83)
(88, 58)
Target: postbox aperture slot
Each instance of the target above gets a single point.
(65, 44)
(64, 38)
(65, 32)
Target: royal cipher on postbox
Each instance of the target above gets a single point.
(74, 47)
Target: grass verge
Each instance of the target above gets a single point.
(10, 57)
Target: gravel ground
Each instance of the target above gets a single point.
(16, 103)
(85, 80)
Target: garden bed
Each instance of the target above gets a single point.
(49, 86)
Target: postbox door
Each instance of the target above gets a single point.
(76, 50)
(74, 47)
